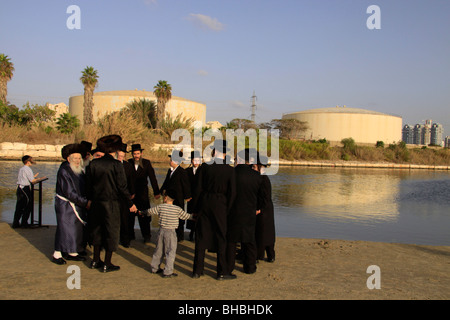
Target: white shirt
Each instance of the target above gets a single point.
(25, 177)
(173, 170)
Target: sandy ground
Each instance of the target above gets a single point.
(304, 269)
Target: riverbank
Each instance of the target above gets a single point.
(45, 152)
(304, 269)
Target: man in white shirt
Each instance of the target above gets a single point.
(24, 204)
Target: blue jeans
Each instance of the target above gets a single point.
(166, 245)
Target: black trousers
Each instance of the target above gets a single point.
(199, 259)
(24, 206)
(248, 256)
(144, 225)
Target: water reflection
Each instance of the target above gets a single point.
(339, 193)
(334, 203)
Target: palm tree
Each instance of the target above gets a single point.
(89, 79)
(6, 73)
(143, 110)
(163, 93)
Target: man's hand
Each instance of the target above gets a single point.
(133, 209)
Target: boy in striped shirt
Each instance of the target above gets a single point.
(167, 238)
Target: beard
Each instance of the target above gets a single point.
(86, 163)
(77, 169)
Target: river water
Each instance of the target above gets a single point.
(384, 205)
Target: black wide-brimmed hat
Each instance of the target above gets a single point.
(220, 145)
(136, 147)
(87, 145)
(195, 154)
(177, 156)
(69, 149)
(124, 148)
(250, 155)
(109, 144)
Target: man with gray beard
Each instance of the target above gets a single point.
(70, 205)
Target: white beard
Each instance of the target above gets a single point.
(77, 170)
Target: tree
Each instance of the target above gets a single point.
(143, 110)
(289, 128)
(243, 124)
(163, 93)
(67, 123)
(6, 73)
(89, 79)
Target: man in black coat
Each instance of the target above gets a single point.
(217, 189)
(242, 218)
(193, 174)
(143, 171)
(106, 187)
(177, 182)
(125, 213)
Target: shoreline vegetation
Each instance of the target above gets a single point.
(34, 130)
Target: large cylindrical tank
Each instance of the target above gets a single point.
(110, 101)
(335, 124)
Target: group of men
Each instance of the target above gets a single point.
(97, 201)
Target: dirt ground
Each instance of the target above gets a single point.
(304, 269)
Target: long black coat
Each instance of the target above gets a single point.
(216, 192)
(242, 218)
(144, 172)
(179, 184)
(70, 188)
(106, 187)
(265, 221)
(192, 205)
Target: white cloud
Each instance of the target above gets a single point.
(150, 2)
(202, 72)
(205, 22)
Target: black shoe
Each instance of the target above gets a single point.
(196, 276)
(75, 258)
(110, 268)
(59, 261)
(170, 275)
(158, 271)
(97, 265)
(271, 260)
(226, 277)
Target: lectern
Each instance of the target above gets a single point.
(38, 223)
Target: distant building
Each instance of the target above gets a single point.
(423, 134)
(408, 134)
(418, 132)
(447, 141)
(437, 132)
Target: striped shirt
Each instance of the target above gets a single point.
(168, 215)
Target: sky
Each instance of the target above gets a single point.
(293, 54)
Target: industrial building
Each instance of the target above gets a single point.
(110, 101)
(363, 126)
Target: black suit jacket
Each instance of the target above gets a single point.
(144, 171)
(179, 184)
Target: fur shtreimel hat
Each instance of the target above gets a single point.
(109, 144)
(68, 149)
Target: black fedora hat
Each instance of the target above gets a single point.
(220, 145)
(124, 148)
(196, 154)
(136, 147)
(177, 156)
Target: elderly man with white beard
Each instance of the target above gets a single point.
(70, 205)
